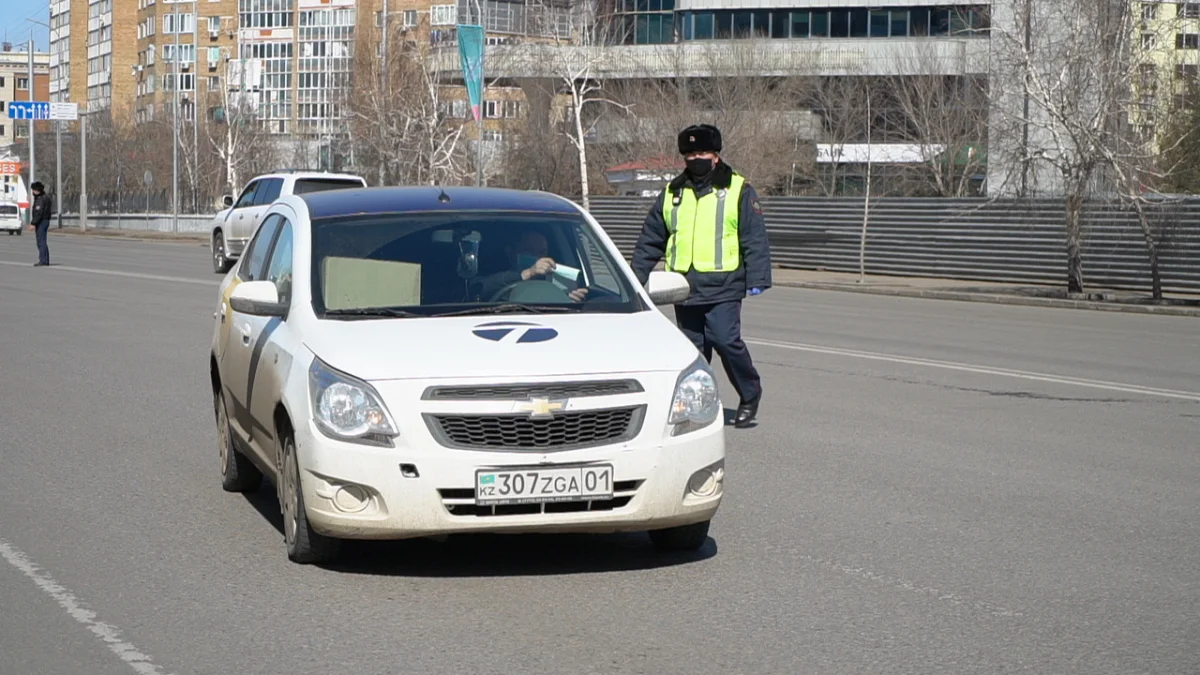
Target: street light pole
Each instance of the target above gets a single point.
(175, 128)
(32, 122)
(195, 105)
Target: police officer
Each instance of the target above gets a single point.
(39, 221)
(708, 224)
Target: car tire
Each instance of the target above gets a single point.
(683, 538)
(238, 473)
(221, 261)
(304, 545)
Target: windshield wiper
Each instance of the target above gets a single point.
(373, 312)
(510, 308)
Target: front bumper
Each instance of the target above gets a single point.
(353, 491)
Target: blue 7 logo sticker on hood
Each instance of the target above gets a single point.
(496, 331)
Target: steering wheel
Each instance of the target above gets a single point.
(560, 293)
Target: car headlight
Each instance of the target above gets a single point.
(347, 408)
(696, 402)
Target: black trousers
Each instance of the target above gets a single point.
(41, 230)
(719, 327)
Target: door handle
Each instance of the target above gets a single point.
(245, 331)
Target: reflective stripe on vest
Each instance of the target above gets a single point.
(704, 233)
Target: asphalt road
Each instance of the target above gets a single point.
(935, 487)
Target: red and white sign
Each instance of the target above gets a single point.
(10, 168)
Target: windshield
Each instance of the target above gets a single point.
(8, 210)
(465, 262)
(307, 185)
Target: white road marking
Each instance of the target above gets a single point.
(131, 655)
(117, 273)
(982, 370)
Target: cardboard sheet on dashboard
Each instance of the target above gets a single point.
(355, 283)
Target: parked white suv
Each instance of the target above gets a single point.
(410, 362)
(232, 227)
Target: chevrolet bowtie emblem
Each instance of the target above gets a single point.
(541, 408)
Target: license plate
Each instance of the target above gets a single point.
(542, 485)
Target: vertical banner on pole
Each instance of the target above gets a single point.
(470, 52)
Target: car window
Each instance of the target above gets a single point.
(279, 269)
(307, 185)
(438, 262)
(247, 198)
(8, 210)
(269, 192)
(255, 254)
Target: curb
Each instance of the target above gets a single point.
(160, 237)
(1000, 299)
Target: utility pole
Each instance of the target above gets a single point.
(175, 126)
(195, 106)
(32, 123)
(83, 207)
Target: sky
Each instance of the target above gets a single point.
(14, 26)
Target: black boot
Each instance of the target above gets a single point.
(746, 412)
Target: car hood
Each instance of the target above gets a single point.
(502, 346)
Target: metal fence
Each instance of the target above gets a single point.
(972, 239)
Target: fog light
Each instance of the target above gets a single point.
(351, 499)
(707, 481)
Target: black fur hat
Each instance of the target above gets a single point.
(37, 185)
(699, 138)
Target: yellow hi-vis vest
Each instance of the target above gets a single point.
(703, 233)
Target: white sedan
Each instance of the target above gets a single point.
(410, 362)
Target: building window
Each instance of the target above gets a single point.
(22, 83)
(1189, 10)
(858, 23)
(1187, 41)
(1149, 11)
(443, 15)
(410, 18)
(1149, 41)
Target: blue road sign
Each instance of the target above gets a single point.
(29, 110)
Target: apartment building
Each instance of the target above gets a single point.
(1167, 51)
(91, 43)
(183, 53)
(14, 86)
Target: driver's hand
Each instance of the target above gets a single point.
(542, 267)
(579, 294)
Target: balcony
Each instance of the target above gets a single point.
(762, 58)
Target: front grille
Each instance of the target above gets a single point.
(570, 430)
(520, 392)
(467, 509)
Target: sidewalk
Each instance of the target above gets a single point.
(1033, 295)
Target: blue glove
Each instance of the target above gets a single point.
(756, 291)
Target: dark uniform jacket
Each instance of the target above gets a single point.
(711, 287)
(40, 211)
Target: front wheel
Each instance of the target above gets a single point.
(683, 538)
(304, 545)
(221, 261)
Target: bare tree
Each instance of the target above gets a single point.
(1075, 62)
(236, 133)
(946, 117)
(400, 121)
(567, 46)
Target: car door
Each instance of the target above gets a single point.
(241, 335)
(272, 362)
(238, 226)
(266, 195)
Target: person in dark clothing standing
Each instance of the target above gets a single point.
(721, 248)
(39, 221)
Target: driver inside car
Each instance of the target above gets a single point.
(529, 259)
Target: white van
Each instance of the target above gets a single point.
(407, 362)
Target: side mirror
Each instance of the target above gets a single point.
(668, 288)
(227, 200)
(257, 298)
